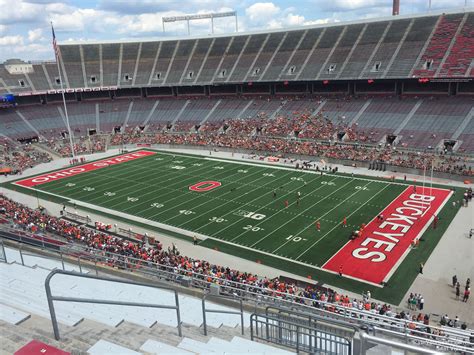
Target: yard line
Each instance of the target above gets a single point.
(284, 224)
(332, 209)
(198, 196)
(219, 206)
(172, 190)
(337, 225)
(128, 182)
(343, 175)
(124, 170)
(240, 219)
(146, 176)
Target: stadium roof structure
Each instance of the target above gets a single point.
(438, 45)
(288, 29)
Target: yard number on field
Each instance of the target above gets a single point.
(268, 174)
(295, 239)
(330, 183)
(217, 219)
(70, 184)
(88, 188)
(249, 214)
(361, 188)
(251, 228)
(132, 199)
(110, 194)
(186, 212)
(177, 167)
(157, 205)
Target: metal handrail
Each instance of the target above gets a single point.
(233, 287)
(277, 322)
(257, 294)
(365, 338)
(207, 310)
(3, 254)
(52, 298)
(310, 317)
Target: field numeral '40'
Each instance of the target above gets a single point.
(186, 212)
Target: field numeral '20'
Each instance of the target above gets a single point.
(251, 228)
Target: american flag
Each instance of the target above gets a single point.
(55, 44)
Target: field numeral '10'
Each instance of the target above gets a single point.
(295, 239)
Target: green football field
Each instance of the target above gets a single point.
(255, 213)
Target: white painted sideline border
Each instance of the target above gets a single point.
(187, 232)
(204, 237)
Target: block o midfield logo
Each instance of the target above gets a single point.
(204, 186)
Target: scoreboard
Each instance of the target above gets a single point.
(7, 98)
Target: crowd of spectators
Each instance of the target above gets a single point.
(16, 158)
(101, 241)
(92, 144)
(239, 136)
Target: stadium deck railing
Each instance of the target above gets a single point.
(391, 327)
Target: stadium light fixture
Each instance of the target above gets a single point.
(211, 16)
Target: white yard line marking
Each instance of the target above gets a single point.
(367, 224)
(198, 195)
(320, 217)
(383, 180)
(337, 225)
(248, 203)
(220, 206)
(306, 209)
(428, 224)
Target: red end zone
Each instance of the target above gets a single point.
(79, 169)
(383, 245)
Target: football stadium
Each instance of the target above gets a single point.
(300, 188)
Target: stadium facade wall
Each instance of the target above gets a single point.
(402, 47)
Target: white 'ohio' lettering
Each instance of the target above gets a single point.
(87, 167)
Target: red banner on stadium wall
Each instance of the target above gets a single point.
(375, 255)
(79, 169)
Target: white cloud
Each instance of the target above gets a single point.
(11, 40)
(35, 35)
(18, 11)
(3, 29)
(262, 11)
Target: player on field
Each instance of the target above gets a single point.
(318, 226)
(274, 193)
(344, 222)
(286, 203)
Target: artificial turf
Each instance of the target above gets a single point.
(247, 215)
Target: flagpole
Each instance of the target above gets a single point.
(431, 180)
(424, 176)
(57, 54)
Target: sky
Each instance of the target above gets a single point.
(25, 30)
